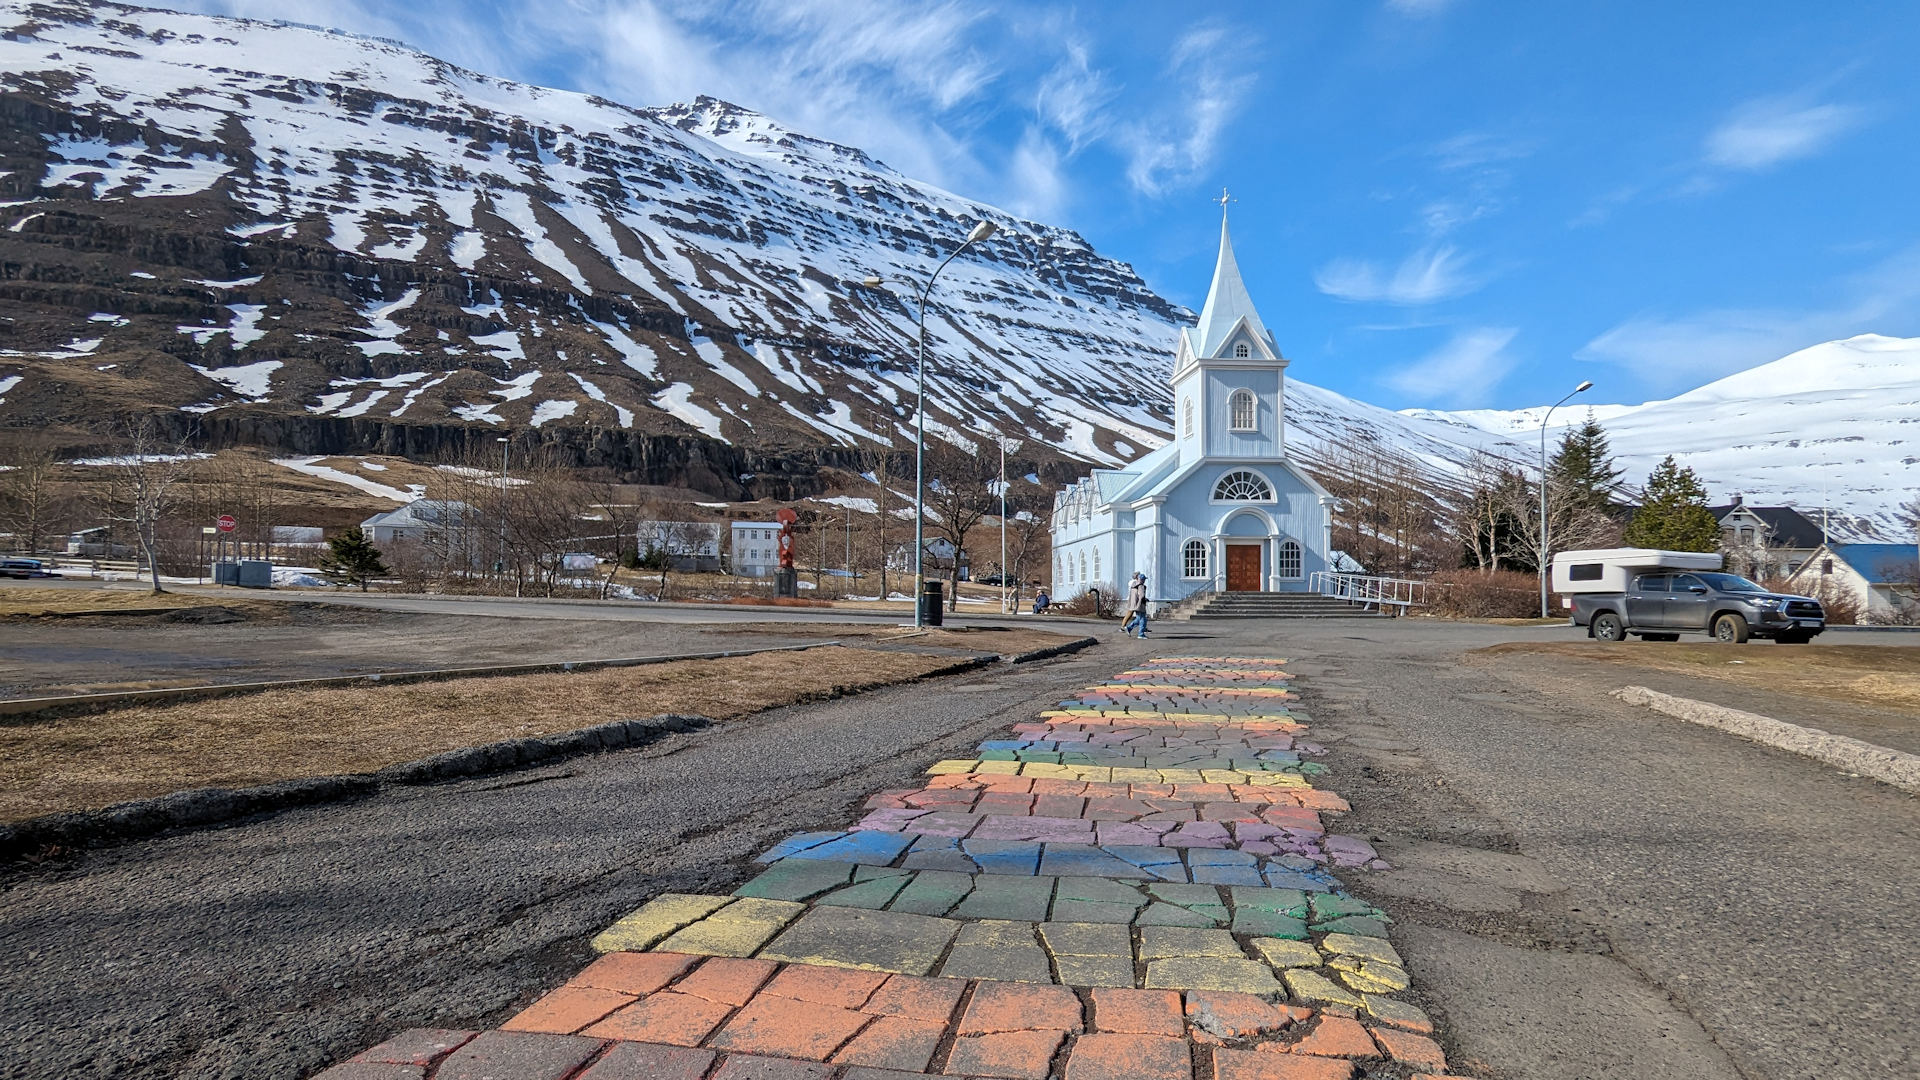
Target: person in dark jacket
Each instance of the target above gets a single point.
(1136, 605)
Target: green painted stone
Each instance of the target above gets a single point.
(1354, 924)
(1101, 890)
(796, 879)
(1001, 963)
(1279, 901)
(994, 897)
(872, 895)
(871, 940)
(1332, 906)
(1158, 914)
(863, 872)
(1085, 939)
(932, 892)
(1086, 911)
(1184, 895)
(1259, 923)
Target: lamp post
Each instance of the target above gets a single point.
(980, 232)
(505, 445)
(1584, 386)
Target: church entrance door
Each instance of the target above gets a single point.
(1243, 567)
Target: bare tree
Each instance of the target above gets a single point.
(1387, 510)
(33, 502)
(960, 490)
(1029, 530)
(1571, 524)
(140, 484)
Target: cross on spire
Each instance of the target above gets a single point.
(1224, 199)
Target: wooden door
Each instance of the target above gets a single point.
(1243, 567)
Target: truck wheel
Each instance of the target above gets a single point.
(1608, 627)
(1730, 629)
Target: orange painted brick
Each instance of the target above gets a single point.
(1410, 1048)
(1225, 1014)
(1335, 1036)
(634, 972)
(1021, 1055)
(1250, 1065)
(998, 1006)
(567, 1010)
(894, 1042)
(727, 980)
(667, 1017)
(842, 987)
(1137, 1012)
(788, 1027)
(1129, 1057)
(915, 997)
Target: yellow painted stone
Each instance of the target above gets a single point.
(1282, 953)
(1136, 776)
(998, 768)
(1181, 776)
(1397, 1013)
(1375, 978)
(951, 766)
(1048, 769)
(1210, 973)
(1277, 779)
(660, 916)
(1367, 948)
(1311, 986)
(736, 930)
(1157, 942)
(1225, 776)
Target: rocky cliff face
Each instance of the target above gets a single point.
(310, 237)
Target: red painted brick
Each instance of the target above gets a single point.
(649, 1061)
(1229, 1015)
(789, 1028)
(998, 1006)
(841, 987)
(368, 1070)
(415, 1046)
(1129, 1057)
(726, 979)
(1138, 1012)
(744, 1067)
(1250, 1065)
(567, 1010)
(1335, 1036)
(523, 1055)
(666, 1017)
(1022, 1055)
(1412, 1049)
(634, 972)
(894, 1042)
(916, 997)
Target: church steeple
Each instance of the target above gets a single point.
(1228, 305)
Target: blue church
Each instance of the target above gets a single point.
(1221, 506)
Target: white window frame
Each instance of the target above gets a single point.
(1236, 401)
(1289, 552)
(1186, 418)
(1220, 484)
(1189, 563)
(1242, 350)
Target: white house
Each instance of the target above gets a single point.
(422, 520)
(1882, 579)
(756, 548)
(1220, 507)
(690, 546)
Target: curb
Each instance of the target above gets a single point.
(87, 702)
(1050, 651)
(201, 807)
(1894, 767)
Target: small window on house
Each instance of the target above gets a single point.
(1243, 485)
(1193, 559)
(1242, 350)
(1826, 566)
(1240, 408)
(1288, 565)
(1586, 571)
(1186, 418)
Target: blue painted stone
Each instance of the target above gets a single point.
(1085, 860)
(1004, 856)
(1005, 744)
(1158, 862)
(1226, 875)
(1221, 857)
(796, 843)
(1294, 879)
(876, 848)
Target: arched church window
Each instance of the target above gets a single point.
(1186, 418)
(1193, 559)
(1058, 573)
(1288, 564)
(1243, 485)
(1096, 564)
(1083, 567)
(1242, 350)
(1240, 408)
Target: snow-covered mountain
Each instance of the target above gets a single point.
(1834, 425)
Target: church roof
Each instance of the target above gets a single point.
(1227, 304)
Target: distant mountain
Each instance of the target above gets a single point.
(1836, 425)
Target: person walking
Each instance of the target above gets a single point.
(1136, 605)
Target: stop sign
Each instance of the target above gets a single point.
(225, 522)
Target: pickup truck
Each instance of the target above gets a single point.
(1662, 605)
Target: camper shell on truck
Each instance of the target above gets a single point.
(1659, 595)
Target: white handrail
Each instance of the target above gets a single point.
(1369, 589)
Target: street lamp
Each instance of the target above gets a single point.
(1584, 386)
(505, 445)
(980, 232)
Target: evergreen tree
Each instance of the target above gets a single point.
(1674, 514)
(351, 558)
(1583, 467)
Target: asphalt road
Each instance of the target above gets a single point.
(1583, 889)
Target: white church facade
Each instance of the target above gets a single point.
(1219, 507)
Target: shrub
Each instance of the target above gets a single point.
(1084, 604)
(1470, 594)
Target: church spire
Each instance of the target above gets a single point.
(1227, 301)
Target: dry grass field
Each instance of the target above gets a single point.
(1879, 676)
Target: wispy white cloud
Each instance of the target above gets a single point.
(1673, 352)
(1461, 373)
(1073, 98)
(1768, 131)
(1419, 7)
(1170, 149)
(1426, 276)
(1040, 185)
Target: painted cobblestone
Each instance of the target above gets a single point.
(1136, 884)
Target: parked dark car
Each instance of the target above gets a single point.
(25, 568)
(1663, 605)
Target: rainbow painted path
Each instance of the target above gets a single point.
(1134, 886)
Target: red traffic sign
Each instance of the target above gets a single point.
(226, 522)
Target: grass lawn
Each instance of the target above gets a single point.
(1882, 676)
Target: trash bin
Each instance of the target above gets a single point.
(931, 608)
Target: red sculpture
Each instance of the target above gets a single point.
(786, 517)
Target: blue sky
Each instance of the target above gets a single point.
(1446, 203)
